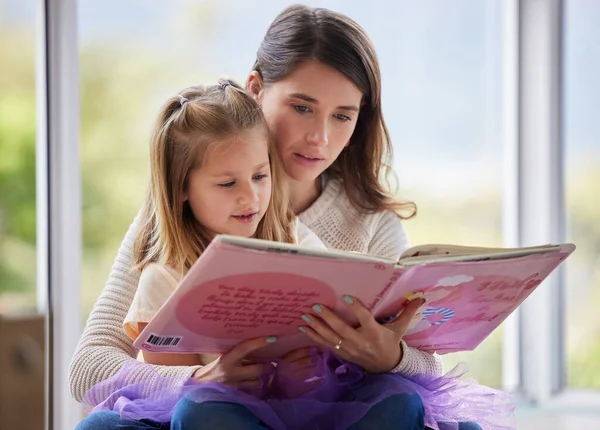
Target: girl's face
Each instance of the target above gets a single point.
(230, 192)
(312, 114)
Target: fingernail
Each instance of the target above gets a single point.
(306, 318)
(271, 339)
(423, 302)
(302, 329)
(348, 300)
(317, 308)
(388, 319)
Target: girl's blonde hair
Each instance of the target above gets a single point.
(189, 125)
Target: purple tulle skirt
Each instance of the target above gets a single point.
(289, 398)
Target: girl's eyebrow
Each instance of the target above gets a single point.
(258, 167)
(312, 100)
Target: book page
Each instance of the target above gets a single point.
(441, 253)
(465, 302)
(233, 293)
(289, 248)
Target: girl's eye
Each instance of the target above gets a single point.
(301, 108)
(343, 117)
(260, 177)
(227, 184)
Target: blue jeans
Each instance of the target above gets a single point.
(461, 426)
(107, 420)
(401, 412)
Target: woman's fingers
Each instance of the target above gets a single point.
(335, 328)
(400, 324)
(322, 331)
(345, 349)
(363, 315)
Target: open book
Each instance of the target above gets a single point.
(245, 288)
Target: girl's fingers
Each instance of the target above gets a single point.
(245, 385)
(241, 350)
(300, 354)
(250, 372)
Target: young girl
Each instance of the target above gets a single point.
(213, 170)
(317, 81)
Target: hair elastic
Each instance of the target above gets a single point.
(224, 84)
(183, 100)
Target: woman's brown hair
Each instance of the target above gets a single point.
(301, 33)
(189, 125)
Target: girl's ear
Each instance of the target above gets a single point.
(255, 85)
(185, 195)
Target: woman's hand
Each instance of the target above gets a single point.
(373, 346)
(233, 369)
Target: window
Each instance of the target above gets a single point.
(582, 185)
(441, 66)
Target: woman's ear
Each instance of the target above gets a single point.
(255, 85)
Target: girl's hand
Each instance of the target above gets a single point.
(299, 372)
(233, 369)
(300, 362)
(373, 346)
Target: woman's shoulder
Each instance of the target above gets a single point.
(340, 204)
(341, 225)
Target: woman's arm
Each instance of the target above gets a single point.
(104, 346)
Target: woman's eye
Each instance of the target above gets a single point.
(343, 117)
(301, 108)
(227, 184)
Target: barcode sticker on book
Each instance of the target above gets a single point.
(157, 340)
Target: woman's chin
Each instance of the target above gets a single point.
(304, 175)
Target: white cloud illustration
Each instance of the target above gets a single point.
(452, 281)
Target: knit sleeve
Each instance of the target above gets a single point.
(415, 361)
(389, 238)
(104, 346)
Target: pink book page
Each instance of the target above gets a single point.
(465, 301)
(233, 294)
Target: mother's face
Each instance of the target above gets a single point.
(312, 114)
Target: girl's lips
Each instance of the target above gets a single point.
(246, 217)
